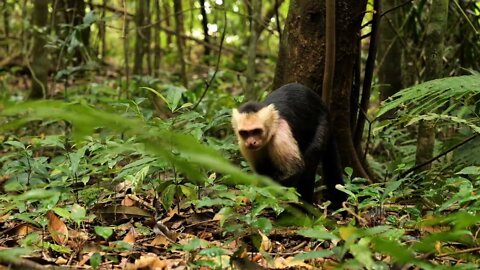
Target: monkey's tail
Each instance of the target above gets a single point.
(332, 174)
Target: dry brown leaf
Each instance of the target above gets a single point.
(160, 240)
(289, 262)
(58, 230)
(127, 201)
(161, 229)
(61, 261)
(4, 217)
(151, 262)
(131, 236)
(24, 229)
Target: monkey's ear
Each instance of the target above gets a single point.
(268, 114)
(235, 116)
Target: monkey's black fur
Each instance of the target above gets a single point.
(309, 122)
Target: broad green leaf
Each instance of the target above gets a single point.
(95, 260)
(318, 233)
(78, 213)
(104, 232)
(11, 254)
(263, 224)
(472, 170)
(168, 195)
(313, 255)
(16, 144)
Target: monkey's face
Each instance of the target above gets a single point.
(252, 139)
(254, 129)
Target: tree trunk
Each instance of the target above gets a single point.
(6, 25)
(302, 55)
(156, 39)
(206, 36)
(390, 53)
(39, 56)
(142, 36)
(102, 30)
(179, 31)
(434, 50)
(255, 14)
(148, 37)
(168, 22)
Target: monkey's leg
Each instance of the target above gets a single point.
(324, 149)
(332, 174)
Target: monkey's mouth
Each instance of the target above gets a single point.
(253, 147)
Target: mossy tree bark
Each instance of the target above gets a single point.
(434, 50)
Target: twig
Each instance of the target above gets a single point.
(217, 65)
(397, 7)
(439, 155)
(468, 250)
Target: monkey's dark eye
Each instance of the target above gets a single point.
(243, 133)
(257, 132)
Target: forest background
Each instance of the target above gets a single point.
(116, 149)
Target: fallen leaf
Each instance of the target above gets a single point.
(161, 229)
(58, 230)
(151, 262)
(266, 244)
(160, 240)
(131, 236)
(127, 201)
(24, 229)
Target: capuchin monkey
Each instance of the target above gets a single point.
(286, 137)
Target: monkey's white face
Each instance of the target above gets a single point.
(254, 129)
(253, 139)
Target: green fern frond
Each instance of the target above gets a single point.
(432, 95)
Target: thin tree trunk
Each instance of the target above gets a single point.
(206, 36)
(156, 39)
(39, 56)
(168, 22)
(179, 29)
(6, 25)
(255, 12)
(141, 35)
(434, 50)
(390, 73)
(124, 89)
(147, 29)
(102, 30)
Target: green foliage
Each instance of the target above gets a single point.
(446, 95)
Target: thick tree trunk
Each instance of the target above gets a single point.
(39, 56)
(434, 50)
(301, 59)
